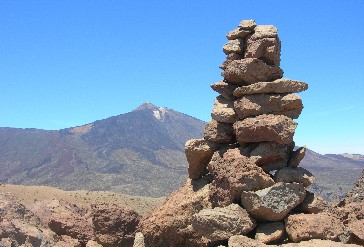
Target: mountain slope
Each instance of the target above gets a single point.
(138, 153)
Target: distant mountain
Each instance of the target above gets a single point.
(138, 153)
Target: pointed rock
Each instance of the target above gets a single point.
(296, 157)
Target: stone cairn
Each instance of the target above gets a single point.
(244, 181)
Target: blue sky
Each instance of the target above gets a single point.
(67, 63)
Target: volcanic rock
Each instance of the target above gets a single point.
(356, 231)
(221, 223)
(312, 204)
(243, 241)
(198, 153)
(273, 203)
(233, 173)
(139, 240)
(234, 46)
(281, 86)
(266, 49)
(289, 105)
(230, 57)
(219, 132)
(238, 33)
(269, 232)
(301, 227)
(114, 225)
(92, 243)
(265, 128)
(223, 110)
(247, 24)
(319, 242)
(250, 70)
(297, 175)
(264, 31)
(225, 89)
(296, 157)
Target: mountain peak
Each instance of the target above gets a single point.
(146, 105)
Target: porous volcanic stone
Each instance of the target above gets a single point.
(301, 227)
(221, 223)
(312, 204)
(269, 232)
(198, 153)
(233, 173)
(225, 89)
(250, 70)
(234, 46)
(265, 31)
(266, 49)
(223, 110)
(238, 33)
(230, 57)
(283, 85)
(273, 203)
(269, 128)
(219, 132)
(296, 157)
(298, 175)
(289, 105)
(247, 24)
(244, 241)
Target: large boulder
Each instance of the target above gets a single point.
(233, 172)
(170, 223)
(283, 85)
(250, 70)
(301, 227)
(219, 132)
(289, 105)
(273, 203)
(265, 128)
(223, 110)
(297, 175)
(221, 223)
(114, 225)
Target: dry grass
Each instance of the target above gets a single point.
(28, 195)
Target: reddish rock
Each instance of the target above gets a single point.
(297, 175)
(233, 173)
(250, 70)
(318, 242)
(273, 203)
(269, 232)
(223, 110)
(221, 223)
(225, 89)
(219, 132)
(170, 223)
(114, 225)
(356, 231)
(301, 227)
(289, 105)
(265, 128)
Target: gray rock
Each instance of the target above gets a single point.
(266, 49)
(273, 203)
(225, 89)
(297, 175)
(219, 132)
(250, 70)
(222, 223)
(283, 85)
(238, 33)
(139, 240)
(296, 157)
(223, 110)
(247, 24)
(289, 105)
(269, 232)
(234, 46)
(198, 153)
(265, 128)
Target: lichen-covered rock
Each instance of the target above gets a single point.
(281, 86)
(289, 105)
(234, 46)
(219, 132)
(250, 70)
(233, 173)
(301, 227)
(297, 175)
(269, 232)
(265, 128)
(223, 110)
(273, 203)
(221, 223)
(296, 157)
(198, 153)
(170, 223)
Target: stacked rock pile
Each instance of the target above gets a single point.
(244, 180)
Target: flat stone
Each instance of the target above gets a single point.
(300, 227)
(220, 223)
(320, 243)
(247, 24)
(244, 241)
(269, 232)
(283, 85)
(289, 105)
(265, 31)
(265, 128)
(294, 175)
(273, 203)
(223, 110)
(250, 70)
(219, 132)
(234, 46)
(238, 33)
(225, 89)
(296, 157)
(266, 49)
(198, 153)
